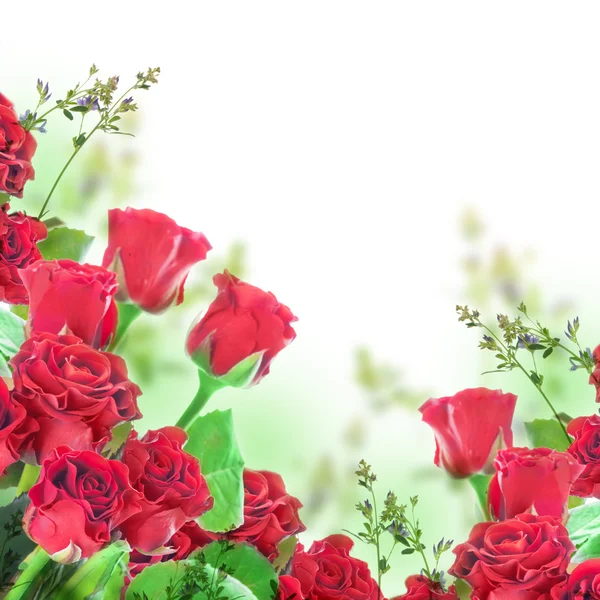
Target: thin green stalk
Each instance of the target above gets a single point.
(377, 544)
(208, 386)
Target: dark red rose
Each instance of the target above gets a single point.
(182, 543)
(289, 588)
(534, 480)
(583, 582)
(419, 587)
(524, 554)
(19, 236)
(80, 498)
(74, 393)
(469, 428)
(327, 572)
(15, 428)
(510, 594)
(586, 449)
(173, 488)
(17, 147)
(67, 296)
(152, 255)
(270, 513)
(241, 322)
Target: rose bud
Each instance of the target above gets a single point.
(19, 236)
(469, 428)
(289, 588)
(65, 296)
(526, 554)
(15, 428)
(270, 513)
(535, 480)
(74, 393)
(586, 449)
(595, 376)
(152, 255)
(583, 582)
(419, 587)
(173, 488)
(79, 500)
(17, 147)
(327, 571)
(241, 333)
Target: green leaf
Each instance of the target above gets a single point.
(245, 565)
(36, 570)
(68, 114)
(63, 242)
(102, 576)
(155, 579)
(285, 551)
(212, 441)
(12, 335)
(584, 522)
(4, 198)
(590, 549)
(546, 433)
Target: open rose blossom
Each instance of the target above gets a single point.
(15, 428)
(182, 543)
(152, 255)
(79, 500)
(418, 587)
(19, 236)
(586, 449)
(17, 147)
(67, 296)
(535, 480)
(173, 488)
(469, 428)
(595, 376)
(289, 588)
(327, 572)
(583, 583)
(270, 513)
(74, 393)
(524, 554)
(242, 322)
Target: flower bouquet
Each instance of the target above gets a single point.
(101, 512)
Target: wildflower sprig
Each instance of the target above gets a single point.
(399, 521)
(524, 334)
(84, 99)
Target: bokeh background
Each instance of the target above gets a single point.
(372, 164)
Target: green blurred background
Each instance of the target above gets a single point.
(373, 166)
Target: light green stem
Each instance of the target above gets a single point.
(28, 479)
(208, 386)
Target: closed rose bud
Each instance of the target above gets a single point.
(19, 235)
(152, 256)
(534, 480)
(469, 428)
(241, 333)
(17, 147)
(68, 297)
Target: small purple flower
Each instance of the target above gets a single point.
(90, 101)
(526, 340)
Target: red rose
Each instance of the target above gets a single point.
(270, 513)
(15, 428)
(535, 480)
(586, 449)
(80, 498)
(524, 554)
(469, 428)
(182, 543)
(19, 235)
(510, 594)
(583, 582)
(419, 587)
(75, 394)
(173, 488)
(17, 147)
(289, 588)
(595, 376)
(242, 321)
(153, 255)
(64, 294)
(328, 572)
